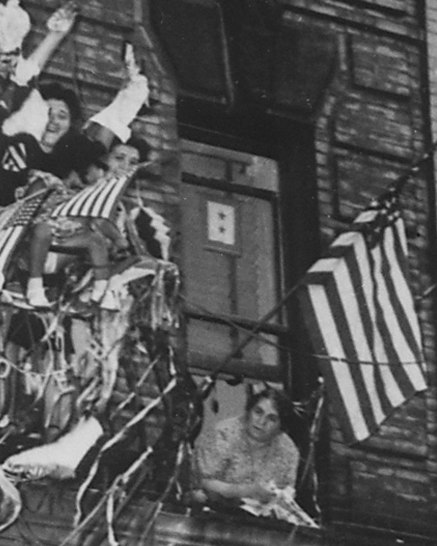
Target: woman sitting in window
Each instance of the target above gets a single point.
(248, 458)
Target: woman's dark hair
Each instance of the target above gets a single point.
(135, 142)
(73, 151)
(278, 399)
(57, 91)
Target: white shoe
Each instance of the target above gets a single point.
(37, 298)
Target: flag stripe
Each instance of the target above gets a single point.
(8, 240)
(98, 201)
(397, 293)
(361, 279)
(390, 335)
(15, 226)
(339, 371)
(358, 318)
(396, 256)
(358, 307)
(74, 206)
(344, 325)
(390, 394)
(332, 385)
(99, 198)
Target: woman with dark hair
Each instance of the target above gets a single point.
(18, 74)
(24, 113)
(94, 236)
(46, 133)
(248, 456)
(58, 156)
(62, 149)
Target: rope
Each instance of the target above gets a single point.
(114, 440)
(397, 186)
(160, 502)
(278, 346)
(209, 381)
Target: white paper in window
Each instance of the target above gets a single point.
(221, 223)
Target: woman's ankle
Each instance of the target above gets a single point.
(35, 293)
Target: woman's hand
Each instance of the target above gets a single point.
(45, 179)
(62, 20)
(58, 25)
(260, 491)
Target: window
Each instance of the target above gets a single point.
(231, 258)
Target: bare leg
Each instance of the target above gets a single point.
(110, 231)
(39, 248)
(97, 246)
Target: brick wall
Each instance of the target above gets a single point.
(372, 125)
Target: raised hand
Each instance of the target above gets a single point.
(62, 20)
(47, 180)
(132, 69)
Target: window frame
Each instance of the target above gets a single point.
(198, 361)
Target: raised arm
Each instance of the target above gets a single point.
(30, 114)
(15, 71)
(59, 25)
(115, 119)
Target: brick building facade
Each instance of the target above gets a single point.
(336, 98)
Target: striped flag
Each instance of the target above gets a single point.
(360, 314)
(14, 221)
(97, 201)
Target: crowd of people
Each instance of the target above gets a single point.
(45, 145)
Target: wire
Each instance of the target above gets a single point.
(234, 325)
(366, 362)
(291, 351)
(393, 190)
(397, 186)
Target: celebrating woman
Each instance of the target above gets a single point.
(247, 456)
(62, 157)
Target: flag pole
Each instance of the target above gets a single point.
(397, 186)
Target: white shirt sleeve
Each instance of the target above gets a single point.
(25, 71)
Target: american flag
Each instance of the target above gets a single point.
(362, 322)
(14, 221)
(97, 201)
